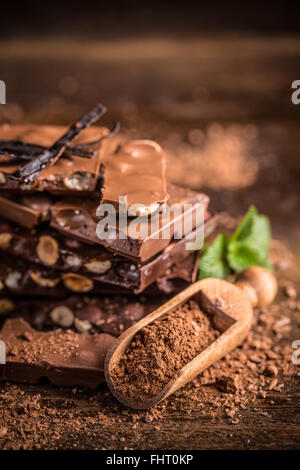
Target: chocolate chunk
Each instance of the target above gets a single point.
(136, 170)
(27, 210)
(65, 358)
(79, 220)
(106, 314)
(68, 175)
(19, 278)
(51, 249)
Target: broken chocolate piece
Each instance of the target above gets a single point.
(136, 170)
(107, 314)
(29, 172)
(50, 248)
(19, 278)
(68, 175)
(27, 210)
(79, 220)
(65, 358)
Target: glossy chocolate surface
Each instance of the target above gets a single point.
(137, 170)
(79, 220)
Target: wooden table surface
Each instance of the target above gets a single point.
(163, 86)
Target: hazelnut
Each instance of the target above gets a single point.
(62, 316)
(98, 267)
(140, 210)
(2, 178)
(249, 291)
(5, 239)
(77, 283)
(78, 181)
(26, 186)
(83, 326)
(12, 280)
(6, 306)
(263, 282)
(73, 261)
(43, 281)
(47, 250)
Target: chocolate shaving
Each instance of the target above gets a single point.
(30, 171)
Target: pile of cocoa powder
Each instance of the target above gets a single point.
(161, 349)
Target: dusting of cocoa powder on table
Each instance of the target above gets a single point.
(161, 349)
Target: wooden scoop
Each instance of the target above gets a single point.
(230, 309)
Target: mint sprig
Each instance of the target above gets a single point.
(248, 246)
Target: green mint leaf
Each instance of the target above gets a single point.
(240, 256)
(212, 262)
(250, 243)
(245, 227)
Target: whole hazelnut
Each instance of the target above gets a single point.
(262, 281)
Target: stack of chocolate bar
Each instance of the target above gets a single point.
(88, 245)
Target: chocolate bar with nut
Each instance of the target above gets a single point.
(65, 358)
(91, 315)
(74, 172)
(19, 278)
(79, 220)
(52, 250)
(28, 210)
(135, 171)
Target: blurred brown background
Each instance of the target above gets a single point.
(212, 83)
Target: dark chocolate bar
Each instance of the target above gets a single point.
(70, 174)
(78, 220)
(27, 210)
(63, 357)
(19, 278)
(91, 315)
(51, 249)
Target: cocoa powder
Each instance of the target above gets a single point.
(161, 349)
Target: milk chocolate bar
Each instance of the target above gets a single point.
(69, 174)
(45, 158)
(136, 170)
(79, 220)
(65, 358)
(27, 210)
(91, 315)
(50, 249)
(19, 278)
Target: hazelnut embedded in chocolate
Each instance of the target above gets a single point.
(140, 210)
(2, 178)
(6, 306)
(73, 261)
(5, 239)
(83, 326)
(47, 250)
(77, 282)
(62, 316)
(26, 186)
(78, 181)
(98, 267)
(43, 281)
(13, 279)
